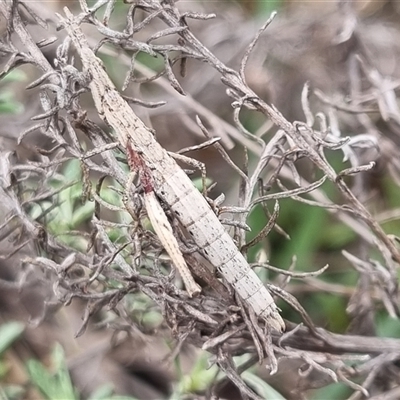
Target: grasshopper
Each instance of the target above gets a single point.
(170, 183)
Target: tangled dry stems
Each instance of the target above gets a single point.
(109, 271)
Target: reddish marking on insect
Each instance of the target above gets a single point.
(136, 163)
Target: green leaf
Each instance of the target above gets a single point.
(261, 387)
(72, 170)
(15, 75)
(57, 386)
(199, 378)
(198, 183)
(387, 326)
(10, 332)
(104, 392)
(41, 378)
(82, 214)
(332, 392)
(11, 392)
(109, 195)
(64, 380)
(264, 8)
(4, 368)
(10, 106)
(122, 398)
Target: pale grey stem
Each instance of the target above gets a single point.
(165, 233)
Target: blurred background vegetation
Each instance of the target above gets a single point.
(47, 362)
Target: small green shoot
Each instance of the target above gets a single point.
(9, 333)
(262, 388)
(105, 392)
(198, 380)
(56, 385)
(8, 104)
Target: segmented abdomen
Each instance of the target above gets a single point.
(215, 243)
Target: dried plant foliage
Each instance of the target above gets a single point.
(112, 259)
